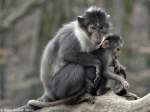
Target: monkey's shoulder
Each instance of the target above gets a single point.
(66, 33)
(65, 30)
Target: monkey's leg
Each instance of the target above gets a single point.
(101, 86)
(27, 107)
(119, 90)
(67, 83)
(95, 85)
(43, 99)
(89, 86)
(90, 76)
(102, 91)
(123, 92)
(131, 96)
(128, 95)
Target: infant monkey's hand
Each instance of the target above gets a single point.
(125, 83)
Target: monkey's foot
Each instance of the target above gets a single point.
(131, 96)
(87, 97)
(32, 103)
(27, 108)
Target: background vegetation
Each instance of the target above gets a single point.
(27, 25)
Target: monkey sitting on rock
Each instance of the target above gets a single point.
(72, 46)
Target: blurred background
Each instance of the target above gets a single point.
(27, 25)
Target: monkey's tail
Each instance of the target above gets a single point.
(41, 104)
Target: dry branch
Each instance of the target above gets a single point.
(106, 103)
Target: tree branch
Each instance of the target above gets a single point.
(106, 103)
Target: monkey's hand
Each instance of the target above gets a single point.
(124, 83)
(118, 67)
(131, 96)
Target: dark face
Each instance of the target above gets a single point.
(114, 44)
(116, 52)
(95, 23)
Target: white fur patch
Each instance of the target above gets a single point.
(102, 40)
(85, 42)
(92, 8)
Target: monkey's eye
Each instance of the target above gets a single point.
(91, 28)
(103, 26)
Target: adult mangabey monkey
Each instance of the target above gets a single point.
(72, 44)
(71, 82)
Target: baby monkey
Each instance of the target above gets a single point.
(108, 53)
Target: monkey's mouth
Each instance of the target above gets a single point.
(98, 44)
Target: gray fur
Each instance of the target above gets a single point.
(72, 44)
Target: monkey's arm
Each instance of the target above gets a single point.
(71, 52)
(119, 68)
(116, 77)
(123, 71)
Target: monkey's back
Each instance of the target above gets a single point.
(51, 61)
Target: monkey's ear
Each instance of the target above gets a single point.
(105, 44)
(80, 19)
